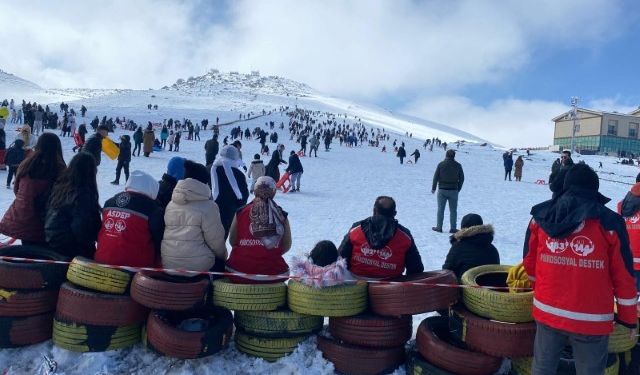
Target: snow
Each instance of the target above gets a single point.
(338, 188)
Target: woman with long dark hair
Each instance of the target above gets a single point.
(36, 175)
(73, 214)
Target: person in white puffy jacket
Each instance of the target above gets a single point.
(193, 236)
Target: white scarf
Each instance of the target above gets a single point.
(227, 164)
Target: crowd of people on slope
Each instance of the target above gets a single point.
(572, 236)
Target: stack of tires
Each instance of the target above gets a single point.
(488, 326)
(95, 312)
(265, 327)
(182, 323)
(28, 295)
(373, 342)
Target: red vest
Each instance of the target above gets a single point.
(124, 239)
(577, 277)
(633, 228)
(387, 262)
(249, 255)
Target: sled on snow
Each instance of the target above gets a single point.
(284, 183)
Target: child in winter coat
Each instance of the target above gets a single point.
(15, 155)
(322, 268)
(171, 140)
(177, 141)
(256, 170)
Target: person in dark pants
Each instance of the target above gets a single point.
(124, 158)
(449, 178)
(507, 159)
(137, 140)
(575, 247)
(401, 154)
(416, 155)
(15, 156)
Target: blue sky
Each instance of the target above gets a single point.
(489, 67)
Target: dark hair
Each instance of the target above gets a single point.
(638, 178)
(256, 156)
(238, 144)
(566, 152)
(385, 206)
(451, 154)
(81, 174)
(46, 161)
(103, 127)
(324, 253)
(196, 171)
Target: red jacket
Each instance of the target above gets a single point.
(249, 255)
(629, 208)
(23, 220)
(577, 277)
(131, 232)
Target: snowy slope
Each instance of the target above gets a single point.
(338, 188)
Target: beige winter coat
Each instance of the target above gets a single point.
(255, 170)
(193, 234)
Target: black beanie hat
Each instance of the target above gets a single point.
(471, 220)
(196, 171)
(583, 176)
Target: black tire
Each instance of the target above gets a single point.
(357, 360)
(14, 303)
(164, 336)
(22, 275)
(416, 365)
(89, 338)
(29, 330)
(281, 323)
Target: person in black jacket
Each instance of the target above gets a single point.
(175, 173)
(558, 172)
(416, 155)
(124, 158)
(211, 150)
(272, 168)
(137, 140)
(449, 178)
(229, 185)
(93, 145)
(379, 247)
(295, 171)
(72, 218)
(471, 246)
(15, 155)
(401, 154)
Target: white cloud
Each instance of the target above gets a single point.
(360, 48)
(508, 122)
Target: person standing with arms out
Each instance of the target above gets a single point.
(576, 252)
(449, 178)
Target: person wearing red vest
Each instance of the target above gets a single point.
(380, 248)
(629, 208)
(577, 254)
(132, 225)
(259, 236)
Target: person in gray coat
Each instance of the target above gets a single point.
(449, 178)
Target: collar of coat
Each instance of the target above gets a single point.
(473, 231)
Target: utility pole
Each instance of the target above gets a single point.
(574, 117)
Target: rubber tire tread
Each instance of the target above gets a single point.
(334, 301)
(91, 275)
(249, 297)
(85, 338)
(409, 299)
(372, 331)
(18, 275)
(28, 302)
(168, 340)
(416, 365)
(446, 356)
(492, 304)
(491, 337)
(29, 330)
(155, 293)
(269, 349)
(619, 340)
(522, 366)
(277, 324)
(355, 360)
(83, 306)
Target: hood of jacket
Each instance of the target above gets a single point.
(379, 230)
(560, 216)
(631, 202)
(481, 234)
(257, 162)
(190, 190)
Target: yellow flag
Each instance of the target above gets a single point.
(110, 149)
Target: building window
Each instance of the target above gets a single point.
(613, 127)
(633, 130)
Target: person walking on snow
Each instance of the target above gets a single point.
(449, 178)
(295, 171)
(416, 155)
(401, 154)
(518, 168)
